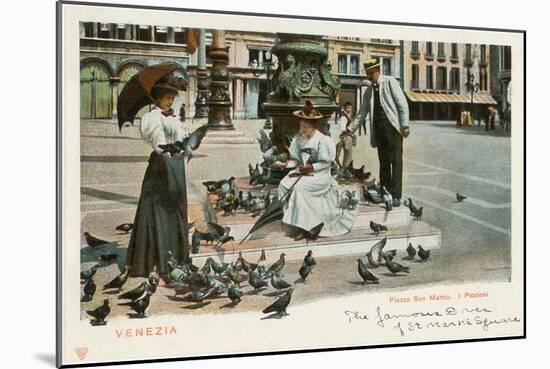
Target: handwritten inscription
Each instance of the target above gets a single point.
(449, 317)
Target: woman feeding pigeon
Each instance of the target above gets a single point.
(313, 202)
(160, 224)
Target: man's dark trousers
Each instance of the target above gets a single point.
(389, 143)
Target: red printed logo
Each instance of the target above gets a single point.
(81, 352)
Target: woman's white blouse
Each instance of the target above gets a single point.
(158, 129)
(323, 147)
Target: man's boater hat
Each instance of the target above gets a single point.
(371, 63)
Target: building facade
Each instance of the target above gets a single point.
(501, 68)
(439, 78)
(110, 54)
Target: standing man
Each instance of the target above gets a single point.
(388, 110)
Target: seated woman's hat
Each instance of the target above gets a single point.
(168, 84)
(308, 112)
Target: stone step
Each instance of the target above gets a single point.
(357, 241)
(229, 141)
(242, 222)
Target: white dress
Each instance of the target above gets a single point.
(158, 129)
(315, 199)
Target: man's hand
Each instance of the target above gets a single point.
(406, 131)
(307, 168)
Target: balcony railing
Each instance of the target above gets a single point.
(429, 56)
(454, 59)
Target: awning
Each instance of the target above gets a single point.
(479, 98)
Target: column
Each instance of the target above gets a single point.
(114, 84)
(219, 103)
(201, 107)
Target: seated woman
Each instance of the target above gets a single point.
(160, 224)
(315, 197)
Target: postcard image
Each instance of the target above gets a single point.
(227, 176)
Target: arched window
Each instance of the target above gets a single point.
(95, 89)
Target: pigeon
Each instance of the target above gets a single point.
(418, 213)
(387, 198)
(255, 281)
(372, 263)
(214, 186)
(460, 198)
(305, 270)
(395, 267)
(135, 293)
(377, 250)
(174, 273)
(246, 266)
(198, 296)
(277, 266)
(390, 254)
(309, 260)
(423, 254)
(100, 313)
(314, 232)
(125, 227)
(119, 280)
(409, 203)
(192, 142)
(87, 274)
(279, 283)
(140, 304)
(89, 290)
(235, 276)
(365, 273)
(218, 268)
(171, 258)
(280, 305)
(368, 197)
(411, 251)
(262, 263)
(213, 283)
(94, 241)
(108, 258)
(207, 267)
(221, 234)
(189, 264)
(234, 294)
(377, 228)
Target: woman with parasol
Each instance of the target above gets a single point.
(160, 224)
(313, 196)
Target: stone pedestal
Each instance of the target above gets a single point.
(303, 73)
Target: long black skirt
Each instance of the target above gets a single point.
(160, 224)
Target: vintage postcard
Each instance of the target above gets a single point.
(234, 184)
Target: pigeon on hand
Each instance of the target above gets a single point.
(140, 304)
(280, 305)
(305, 270)
(87, 274)
(99, 314)
(377, 228)
(411, 251)
(395, 267)
(193, 141)
(255, 281)
(89, 290)
(94, 241)
(234, 294)
(277, 266)
(365, 274)
(135, 293)
(423, 254)
(125, 227)
(279, 283)
(460, 198)
(119, 280)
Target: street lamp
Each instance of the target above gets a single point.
(473, 88)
